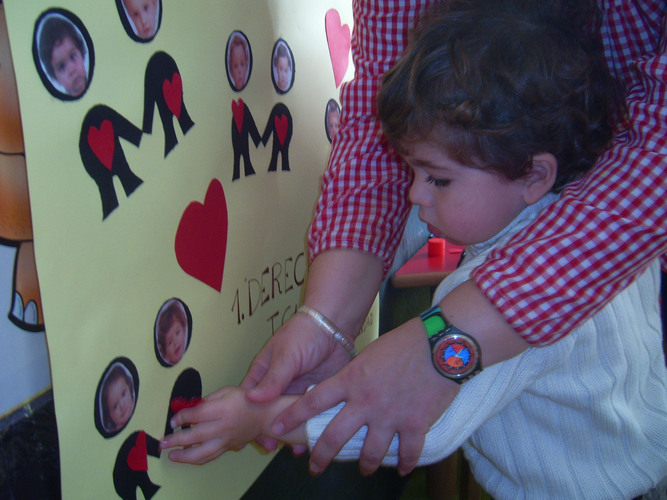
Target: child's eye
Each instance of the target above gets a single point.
(437, 182)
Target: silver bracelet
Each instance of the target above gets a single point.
(322, 321)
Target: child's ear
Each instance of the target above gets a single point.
(541, 177)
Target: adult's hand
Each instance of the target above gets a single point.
(391, 387)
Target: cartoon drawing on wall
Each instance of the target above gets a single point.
(243, 126)
(201, 237)
(173, 328)
(164, 88)
(141, 18)
(102, 153)
(116, 397)
(131, 468)
(332, 119)
(63, 54)
(282, 67)
(280, 127)
(15, 221)
(238, 60)
(186, 393)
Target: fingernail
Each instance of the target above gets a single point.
(314, 469)
(278, 428)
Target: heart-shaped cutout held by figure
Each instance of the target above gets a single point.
(102, 143)
(281, 124)
(172, 91)
(137, 458)
(238, 110)
(338, 39)
(201, 237)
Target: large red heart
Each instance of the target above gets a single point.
(101, 141)
(172, 92)
(238, 108)
(201, 237)
(338, 39)
(137, 458)
(281, 124)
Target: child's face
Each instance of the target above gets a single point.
(68, 66)
(283, 71)
(334, 123)
(174, 342)
(142, 13)
(120, 402)
(239, 66)
(464, 205)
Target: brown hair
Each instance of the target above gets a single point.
(496, 82)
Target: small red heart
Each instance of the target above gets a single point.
(201, 237)
(281, 124)
(338, 39)
(101, 141)
(238, 108)
(178, 404)
(173, 94)
(137, 458)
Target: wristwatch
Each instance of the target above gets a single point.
(455, 354)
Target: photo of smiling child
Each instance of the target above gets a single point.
(63, 55)
(172, 332)
(143, 17)
(239, 61)
(116, 398)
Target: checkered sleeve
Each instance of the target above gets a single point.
(608, 225)
(363, 203)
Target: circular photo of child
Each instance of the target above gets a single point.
(63, 54)
(238, 60)
(116, 397)
(172, 332)
(140, 18)
(332, 119)
(282, 67)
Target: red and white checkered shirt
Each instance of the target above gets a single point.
(563, 268)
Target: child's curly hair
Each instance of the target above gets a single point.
(496, 82)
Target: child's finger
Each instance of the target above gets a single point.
(198, 455)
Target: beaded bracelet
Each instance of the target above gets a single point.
(322, 321)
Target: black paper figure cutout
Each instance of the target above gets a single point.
(243, 125)
(131, 469)
(102, 153)
(186, 392)
(164, 88)
(280, 126)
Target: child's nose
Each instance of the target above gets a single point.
(417, 193)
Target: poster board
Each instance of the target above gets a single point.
(160, 180)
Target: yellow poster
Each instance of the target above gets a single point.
(174, 152)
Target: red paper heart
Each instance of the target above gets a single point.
(201, 237)
(338, 39)
(238, 109)
(173, 94)
(137, 458)
(178, 404)
(281, 124)
(101, 141)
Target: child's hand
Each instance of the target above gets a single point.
(224, 421)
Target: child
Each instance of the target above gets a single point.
(282, 68)
(117, 399)
(495, 107)
(238, 61)
(143, 15)
(172, 332)
(62, 53)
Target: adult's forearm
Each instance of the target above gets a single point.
(342, 285)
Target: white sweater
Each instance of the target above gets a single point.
(583, 418)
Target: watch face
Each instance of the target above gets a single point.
(456, 356)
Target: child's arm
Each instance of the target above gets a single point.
(226, 420)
